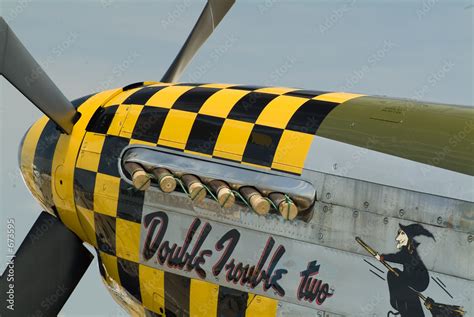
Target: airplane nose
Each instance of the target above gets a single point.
(35, 157)
(25, 161)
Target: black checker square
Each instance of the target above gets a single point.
(247, 87)
(113, 146)
(129, 277)
(105, 232)
(177, 295)
(141, 96)
(249, 107)
(43, 159)
(262, 144)
(193, 99)
(310, 115)
(231, 302)
(130, 202)
(305, 93)
(149, 124)
(204, 134)
(84, 184)
(101, 120)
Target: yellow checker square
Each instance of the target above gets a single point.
(221, 102)
(86, 218)
(118, 120)
(256, 165)
(89, 155)
(105, 205)
(176, 128)
(121, 97)
(275, 90)
(106, 194)
(127, 239)
(279, 111)
(204, 298)
(260, 306)
(152, 288)
(227, 155)
(287, 168)
(30, 143)
(166, 97)
(197, 153)
(141, 142)
(292, 149)
(110, 264)
(233, 139)
(93, 142)
(171, 144)
(154, 84)
(338, 97)
(130, 120)
(88, 160)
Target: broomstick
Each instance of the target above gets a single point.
(436, 309)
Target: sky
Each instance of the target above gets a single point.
(412, 49)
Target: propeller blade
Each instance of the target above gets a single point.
(22, 71)
(45, 271)
(211, 16)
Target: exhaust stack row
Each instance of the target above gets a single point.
(224, 194)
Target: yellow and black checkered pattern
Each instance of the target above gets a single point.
(265, 127)
(269, 128)
(37, 151)
(163, 293)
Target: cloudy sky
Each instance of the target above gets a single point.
(414, 49)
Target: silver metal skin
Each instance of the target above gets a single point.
(211, 16)
(22, 71)
(328, 238)
(345, 208)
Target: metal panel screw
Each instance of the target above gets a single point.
(325, 208)
(439, 220)
(328, 195)
(366, 204)
(470, 238)
(355, 213)
(385, 220)
(321, 236)
(401, 212)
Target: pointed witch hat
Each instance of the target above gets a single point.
(415, 230)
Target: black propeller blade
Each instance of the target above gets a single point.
(47, 268)
(211, 15)
(22, 71)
